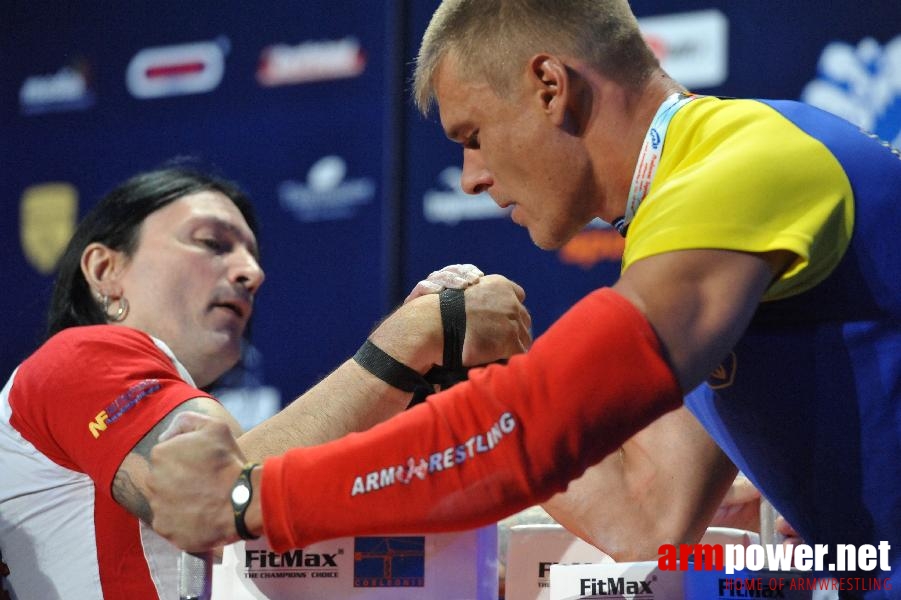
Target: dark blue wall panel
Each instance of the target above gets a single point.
(357, 194)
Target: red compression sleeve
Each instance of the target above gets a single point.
(508, 438)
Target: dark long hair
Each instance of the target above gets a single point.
(115, 222)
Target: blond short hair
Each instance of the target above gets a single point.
(494, 38)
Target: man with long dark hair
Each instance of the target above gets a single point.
(152, 299)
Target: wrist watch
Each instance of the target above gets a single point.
(242, 494)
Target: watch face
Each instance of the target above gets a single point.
(241, 494)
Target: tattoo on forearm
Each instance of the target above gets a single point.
(126, 493)
(151, 439)
(126, 490)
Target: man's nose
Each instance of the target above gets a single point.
(247, 270)
(475, 177)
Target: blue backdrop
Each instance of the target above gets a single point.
(306, 105)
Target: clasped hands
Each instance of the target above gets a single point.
(197, 461)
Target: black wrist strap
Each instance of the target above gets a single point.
(453, 321)
(388, 369)
(241, 510)
(397, 374)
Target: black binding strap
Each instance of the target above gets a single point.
(453, 321)
(388, 369)
(397, 374)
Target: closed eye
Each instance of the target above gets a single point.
(472, 141)
(217, 246)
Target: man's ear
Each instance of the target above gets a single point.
(101, 266)
(551, 79)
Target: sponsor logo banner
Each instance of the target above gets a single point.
(389, 562)
(193, 68)
(327, 194)
(452, 205)
(861, 83)
(598, 242)
(67, 89)
(47, 215)
(281, 64)
(401, 567)
(693, 47)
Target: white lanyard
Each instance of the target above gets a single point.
(649, 157)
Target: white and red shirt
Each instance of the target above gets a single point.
(69, 415)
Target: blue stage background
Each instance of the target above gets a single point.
(306, 105)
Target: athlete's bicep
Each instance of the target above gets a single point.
(129, 484)
(700, 302)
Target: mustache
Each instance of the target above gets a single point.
(237, 298)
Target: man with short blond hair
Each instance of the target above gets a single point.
(759, 282)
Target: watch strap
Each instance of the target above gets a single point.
(240, 508)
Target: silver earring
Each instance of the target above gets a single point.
(121, 310)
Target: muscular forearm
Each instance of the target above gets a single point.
(508, 438)
(661, 487)
(349, 399)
